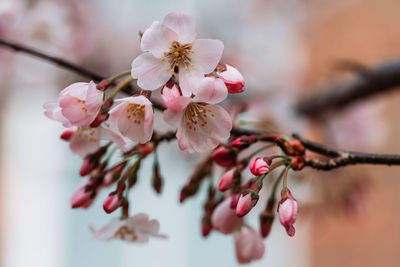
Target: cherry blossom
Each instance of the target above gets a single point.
(85, 140)
(249, 245)
(78, 105)
(133, 229)
(202, 125)
(170, 48)
(224, 218)
(133, 117)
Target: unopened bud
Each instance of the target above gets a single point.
(244, 141)
(81, 196)
(224, 156)
(246, 203)
(233, 79)
(112, 202)
(259, 166)
(206, 226)
(87, 166)
(288, 210)
(67, 134)
(227, 180)
(100, 118)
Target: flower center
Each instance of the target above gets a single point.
(197, 114)
(178, 55)
(135, 112)
(124, 232)
(83, 105)
(88, 133)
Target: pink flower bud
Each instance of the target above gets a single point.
(227, 180)
(288, 210)
(234, 201)
(67, 134)
(112, 202)
(224, 156)
(99, 119)
(169, 94)
(249, 245)
(81, 197)
(244, 141)
(233, 79)
(258, 166)
(246, 203)
(206, 226)
(87, 167)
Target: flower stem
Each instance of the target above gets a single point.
(259, 150)
(119, 75)
(120, 86)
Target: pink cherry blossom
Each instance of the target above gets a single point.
(233, 79)
(258, 166)
(85, 140)
(78, 105)
(133, 117)
(170, 48)
(133, 229)
(202, 125)
(249, 245)
(288, 210)
(224, 218)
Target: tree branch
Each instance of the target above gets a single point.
(372, 81)
(382, 78)
(343, 158)
(55, 60)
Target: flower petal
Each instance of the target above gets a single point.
(211, 90)
(74, 112)
(183, 24)
(85, 141)
(94, 98)
(157, 39)
(108, 231)
(189, 80)
(150, 71)
(53, 111)
(207, 54)
(203, 137)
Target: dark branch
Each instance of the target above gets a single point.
(376, 80)
(343, 158)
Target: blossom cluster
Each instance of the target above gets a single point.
(192, 80)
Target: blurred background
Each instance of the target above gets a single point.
(286, 50)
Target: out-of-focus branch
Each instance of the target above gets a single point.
(382, 78)
(370, 82)
(55, 60)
